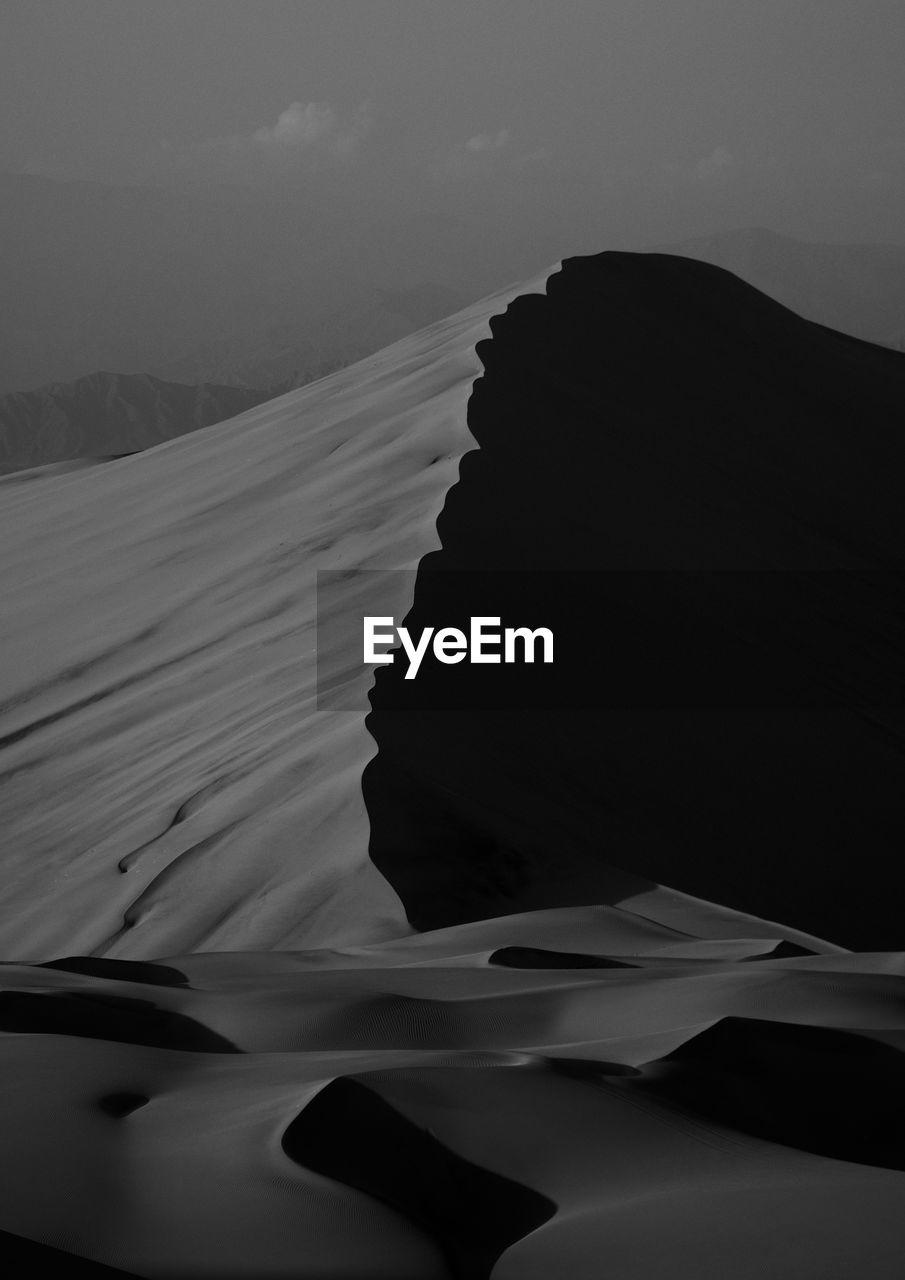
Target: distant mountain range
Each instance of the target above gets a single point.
(109, 414)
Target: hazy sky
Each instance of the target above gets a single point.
(684, 114)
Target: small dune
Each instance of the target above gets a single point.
(421, 1110)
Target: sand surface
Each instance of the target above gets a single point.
(451, 993)
(166, 781)
(161, 1124)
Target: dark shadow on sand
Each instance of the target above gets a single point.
(650, 420)
(20, 1257)
(98, 1016)
(350, 1134)
(156, 975)
(536, 958)
(819, 1089)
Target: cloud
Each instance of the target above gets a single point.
(488, 141)
(304, 125)
(304, 133)
(482, 154)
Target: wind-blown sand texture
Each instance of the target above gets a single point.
(167, 782)
(226, 1050)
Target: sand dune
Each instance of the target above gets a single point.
(167, 782)
(468, 991)
(569, 1087)
(706, 490)
(857, 288)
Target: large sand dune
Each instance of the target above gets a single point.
(167, 782)
(549, 1026)
(857, 288)
(707, 492)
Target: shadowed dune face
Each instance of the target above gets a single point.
(817, 1088)
(121, 1104)
(534, 958)
(105, 1017)
(707, 492)
(23, 1257)
(856, 288)
(350, 1134)
(157, 975)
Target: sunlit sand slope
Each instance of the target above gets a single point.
(166, 783)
